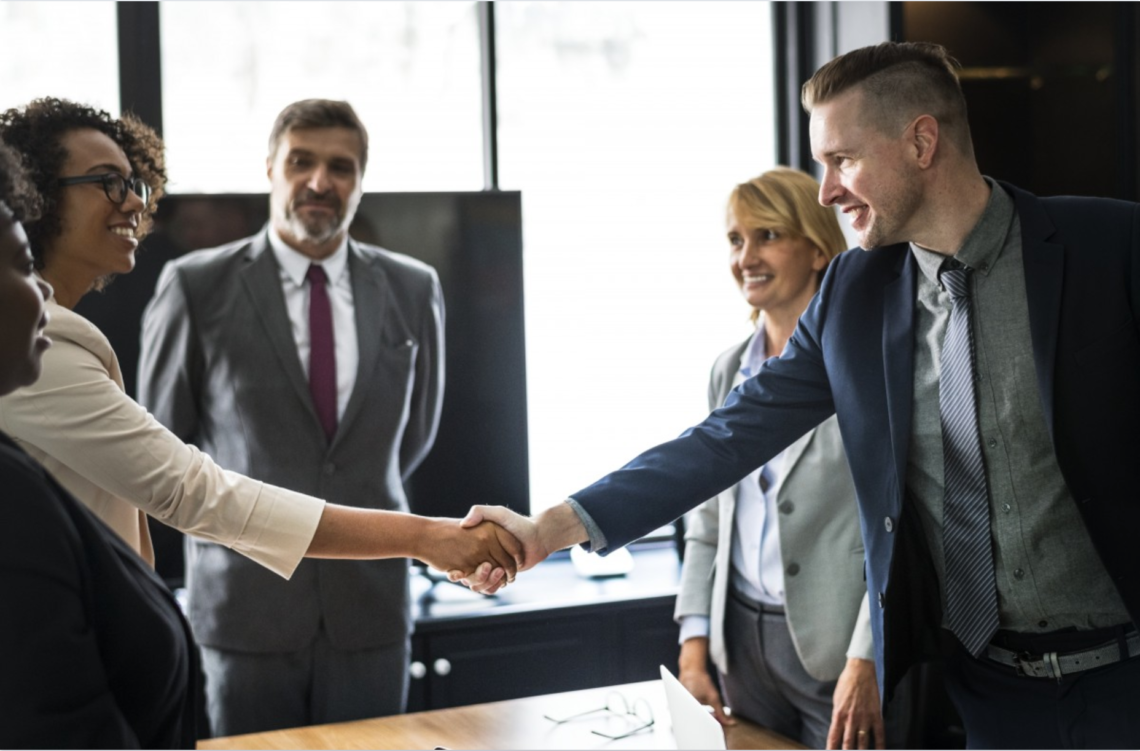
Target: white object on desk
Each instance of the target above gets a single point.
(693, 726)
(592, 565)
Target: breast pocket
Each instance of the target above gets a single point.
(396, 363)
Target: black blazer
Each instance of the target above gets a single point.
(852, 355)
(94, 652)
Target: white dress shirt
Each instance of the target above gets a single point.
(294, 266)
(757, 568)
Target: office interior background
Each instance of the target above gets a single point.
(566, 164)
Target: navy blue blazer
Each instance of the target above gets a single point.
(853, 354)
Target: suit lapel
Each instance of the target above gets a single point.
(898, 357)
(1044, 277)
(369, 299)
(262, 279)
(794, 452)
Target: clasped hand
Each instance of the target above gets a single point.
(480, 551)
(522, 528)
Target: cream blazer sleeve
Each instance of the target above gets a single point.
(116, 458)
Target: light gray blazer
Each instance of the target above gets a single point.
(220, 368)
(821, 545)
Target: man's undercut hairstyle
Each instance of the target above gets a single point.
(901, 80)
(319, 113)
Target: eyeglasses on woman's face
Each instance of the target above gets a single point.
(114, 185)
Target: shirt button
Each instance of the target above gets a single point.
(792, 569)
(890, 525)
(1018, 573)
(1042, 624)
(787, 507)
(1006, 507)
(992, 443)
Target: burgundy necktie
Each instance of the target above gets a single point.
(322, 350)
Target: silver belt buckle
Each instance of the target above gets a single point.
(1050, 665)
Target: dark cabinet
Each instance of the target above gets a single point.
(551, 631)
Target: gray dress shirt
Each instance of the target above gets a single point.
(1048, 574)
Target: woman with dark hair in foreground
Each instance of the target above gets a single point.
(93, 648)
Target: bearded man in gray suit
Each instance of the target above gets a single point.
(308, 360)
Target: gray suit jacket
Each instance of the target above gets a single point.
(220, 368)
(825, 598)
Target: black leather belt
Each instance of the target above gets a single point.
(1056, 665)
(753, 605)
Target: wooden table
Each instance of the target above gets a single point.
(514, 724)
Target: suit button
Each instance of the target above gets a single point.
(1018, 573)
(787, 507)
(792, 569)
(329, 469)
(882, 600)
(889, 524)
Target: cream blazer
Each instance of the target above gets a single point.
(123, 464)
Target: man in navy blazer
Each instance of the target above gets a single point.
(1055, 306)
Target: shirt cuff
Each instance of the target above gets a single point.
(280, 529)
(597, 543)
(693, 627)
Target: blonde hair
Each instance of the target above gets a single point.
(787, 200)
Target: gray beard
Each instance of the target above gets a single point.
(314, 234)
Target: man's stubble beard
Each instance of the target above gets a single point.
(896, 208)
(316, 230)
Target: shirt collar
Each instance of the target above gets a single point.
(296, 264)
(983, 245)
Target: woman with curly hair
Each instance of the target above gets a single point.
(100, 179)
(76, 673)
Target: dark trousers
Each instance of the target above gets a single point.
(255, 692)
(1097, 708)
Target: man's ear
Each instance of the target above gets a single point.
(923, 134)
(269, 168)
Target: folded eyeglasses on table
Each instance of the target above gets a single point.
(616, 706)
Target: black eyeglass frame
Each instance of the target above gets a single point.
(113, 182)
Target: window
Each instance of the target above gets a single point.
(626, 125)
(410, 69)
(65, 49)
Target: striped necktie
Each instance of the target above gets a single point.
(971, 590)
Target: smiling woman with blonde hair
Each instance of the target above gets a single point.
(772, 588)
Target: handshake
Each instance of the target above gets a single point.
(487, 549)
